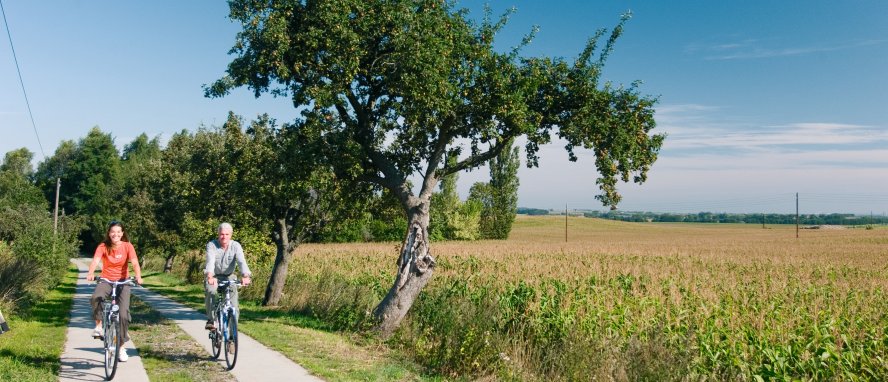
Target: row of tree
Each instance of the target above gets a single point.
(258, 177)
(723, 217)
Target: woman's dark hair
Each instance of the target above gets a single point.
(107, 240)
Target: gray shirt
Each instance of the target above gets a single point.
(222, 262)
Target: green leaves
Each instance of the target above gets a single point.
(397, 84)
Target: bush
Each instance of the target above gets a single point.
(16, 278)
(34, 258)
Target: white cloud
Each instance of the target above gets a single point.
(753, 49)
(708, 158)
(696, 127)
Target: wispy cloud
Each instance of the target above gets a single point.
(694, 125)
(775, 137)
(740, 138)
(711, 154)
(754, 49)
(700, 137)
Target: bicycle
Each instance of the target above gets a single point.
(224, 333)
(111, 327)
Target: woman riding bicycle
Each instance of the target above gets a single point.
(114, 252)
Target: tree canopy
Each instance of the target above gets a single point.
(395, 83)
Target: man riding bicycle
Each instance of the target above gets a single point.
(223, 255)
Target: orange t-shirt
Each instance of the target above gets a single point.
(114, 262)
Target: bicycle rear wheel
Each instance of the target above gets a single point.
(112, 347)
(230, 339)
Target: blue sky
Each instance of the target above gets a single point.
(760, 99)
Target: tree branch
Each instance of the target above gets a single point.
(430, 178)
(472, 161)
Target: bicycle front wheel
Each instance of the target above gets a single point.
(112, 346)
(230, 339)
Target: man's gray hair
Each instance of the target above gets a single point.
(225, 226)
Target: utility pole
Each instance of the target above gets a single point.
(565, 222)
(55, 218)
(797, 215)
(763, 220)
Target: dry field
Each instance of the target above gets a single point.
(628, 301)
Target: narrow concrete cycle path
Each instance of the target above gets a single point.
(255, 362)
(83, 357)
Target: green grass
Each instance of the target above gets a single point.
(330, 355)
(32, 349)
(168, 353)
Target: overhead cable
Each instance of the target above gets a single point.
(22, 82)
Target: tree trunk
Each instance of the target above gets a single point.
(275, 288)
(415, 266)
(168, 264)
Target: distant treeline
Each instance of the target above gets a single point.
(723, 217)
(712, 217)
(532, 211)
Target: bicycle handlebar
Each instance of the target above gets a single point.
(130, 281)
(229, 282)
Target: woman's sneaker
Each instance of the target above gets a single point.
(97, 332)
(122, 357)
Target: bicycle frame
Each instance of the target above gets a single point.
(225, 333)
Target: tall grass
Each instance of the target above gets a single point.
(19, 281)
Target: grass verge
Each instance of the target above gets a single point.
(32, 349)
(168, 353)
(328, 355)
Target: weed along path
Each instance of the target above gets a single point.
(82, 358)
(255, 362)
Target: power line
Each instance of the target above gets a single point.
(8, 34)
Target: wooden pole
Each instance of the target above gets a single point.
(797, 215)
(55, 218)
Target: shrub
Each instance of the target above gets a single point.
(35, 258)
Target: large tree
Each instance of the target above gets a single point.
(278, 179)
(140, 166)
(499, 197)
(16, 188)
(449, 217)
(91, 182)
(394, 86)
(53, 169)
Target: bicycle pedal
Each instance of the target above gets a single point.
(99, 337)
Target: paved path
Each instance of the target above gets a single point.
(83, 357)
(255, 362)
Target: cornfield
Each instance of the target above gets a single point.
(625, 301)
